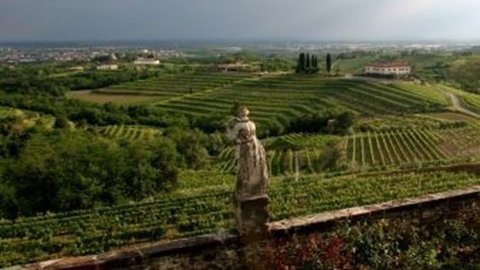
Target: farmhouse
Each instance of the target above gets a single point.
(107, 67)
(232, 67)
(388, 68)
(146, 61)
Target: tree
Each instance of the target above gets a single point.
(329, 63)
(307, 64)
(70, 170)
(190, 146)
(301, 63)
(344, 122)
(314, 63)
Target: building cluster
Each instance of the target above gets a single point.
(30, 54)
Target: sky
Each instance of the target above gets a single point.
(312, 20)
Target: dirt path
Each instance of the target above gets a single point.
(457, 104)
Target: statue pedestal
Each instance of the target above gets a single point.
(252, 217)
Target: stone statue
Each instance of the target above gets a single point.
(250, 198)
(252, 174)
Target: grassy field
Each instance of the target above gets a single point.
(355, 65)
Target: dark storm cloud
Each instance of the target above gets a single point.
(240, 19)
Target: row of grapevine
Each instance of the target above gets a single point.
(270, 98)
(312, 195)
(411, 146)
(168, 85)
(130, 133)
(197, 210)
(290, 154)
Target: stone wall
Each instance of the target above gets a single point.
(223, 250)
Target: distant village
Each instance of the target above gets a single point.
(13, 55)
(29, 53)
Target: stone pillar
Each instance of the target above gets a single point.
(252, 217)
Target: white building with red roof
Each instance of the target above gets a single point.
(388, 68)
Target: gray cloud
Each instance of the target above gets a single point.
(245, 19)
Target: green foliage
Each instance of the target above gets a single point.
(329, 62)
(94, 114)
(466, 75)
(380, 244)
(325, 123)
(301, 63)
(69, 170)
(307, 64)
(115, 160)
(34, 80)
(204, 206)
(277, 63)
(191, 147)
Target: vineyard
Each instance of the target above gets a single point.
(202, 210)
(403, 147)
(270, 98)
(131, 133)
(292, 154)
(304, 167)
(296, 154)
(170, 86)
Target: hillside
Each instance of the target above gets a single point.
(404, 141)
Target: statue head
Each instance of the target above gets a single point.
(240, 111)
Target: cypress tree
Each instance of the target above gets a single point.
(307, 64)
(314, 63)
(329, 63)
(297, 68)
(301, 63)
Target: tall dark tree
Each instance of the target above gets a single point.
(298, 68)
(307, 63)
(329, 63)
(301, 63)
(314, 64)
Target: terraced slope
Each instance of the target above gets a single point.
(292, 154)
(296, 154)
(169, 86)
(413, 146)
(129, 132)
(281, 98)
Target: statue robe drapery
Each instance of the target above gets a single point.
(252, 176)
